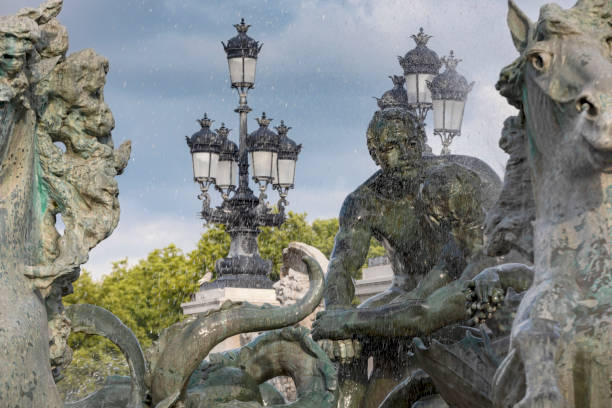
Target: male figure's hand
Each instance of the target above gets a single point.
(486, 291)
(342, 351)
(484, 294)
(487, 286)
(331, 330)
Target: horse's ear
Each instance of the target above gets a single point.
(519, 25)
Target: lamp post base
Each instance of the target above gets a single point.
(243, 272)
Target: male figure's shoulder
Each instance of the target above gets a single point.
(452, 191)
(359, 202)
(442, 176)
(459, 175)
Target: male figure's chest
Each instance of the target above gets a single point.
(402, 227)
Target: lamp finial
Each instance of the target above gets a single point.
(205, 122)
(421, 38)
(263, 121)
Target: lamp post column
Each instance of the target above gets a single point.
(243, 267)
(243, 163)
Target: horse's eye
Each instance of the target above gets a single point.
(609, 44)
(540, 60)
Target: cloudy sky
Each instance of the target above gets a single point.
(321, 64)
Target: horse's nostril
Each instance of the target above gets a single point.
(585, 105)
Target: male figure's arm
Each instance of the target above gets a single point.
(439, 299)
(350, 250)
(445, 306)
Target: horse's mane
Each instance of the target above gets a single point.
(508, 224)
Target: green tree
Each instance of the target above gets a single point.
(146, 297)
(213, 245)
(85, 291)
(272, 240)
(94, 357)
(376, 250)
(325, 232)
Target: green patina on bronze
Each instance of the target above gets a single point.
(47, 96)
(236, 375)
(561, 342)
(183, 346)
(428, 213)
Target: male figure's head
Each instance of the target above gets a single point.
(395, 141)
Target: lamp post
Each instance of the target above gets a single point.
(216, 160)
(205, 147)
(227, 170)
(428, 90)
(288, 152)
(449, 92)
(420, 65)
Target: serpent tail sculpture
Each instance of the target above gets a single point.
(92, 319)
(172, 376)
(183, 346)
(232, 378)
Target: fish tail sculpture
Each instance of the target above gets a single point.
(183, 346)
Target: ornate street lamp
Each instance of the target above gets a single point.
(263, 148)
(288, 152)
(227, 169)
(427, 89)
(205, 146)
(217, 160)
(420, 65)
(449, 92)
(242, 53)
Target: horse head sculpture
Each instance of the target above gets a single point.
(562, 84)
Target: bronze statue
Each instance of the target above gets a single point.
(559, 354)
(562, 83)
(174, 374)
(428, 213)
(56, 158)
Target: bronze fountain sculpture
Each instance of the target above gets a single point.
(439, 205)
(561, 336)
(57, 157)
(559, 353)
(562, 83)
